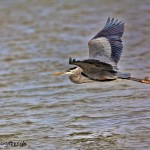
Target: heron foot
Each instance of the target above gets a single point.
(146, 80)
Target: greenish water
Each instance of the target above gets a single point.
(51, 113)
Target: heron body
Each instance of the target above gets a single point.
(93, 70)
(105, 49)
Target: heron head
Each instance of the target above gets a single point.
(69, 71)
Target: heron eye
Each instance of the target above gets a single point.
(71, 68)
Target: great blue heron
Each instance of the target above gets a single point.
(105, 49)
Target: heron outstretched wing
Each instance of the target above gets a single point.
(106, 45)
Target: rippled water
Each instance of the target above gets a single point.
(51, 113)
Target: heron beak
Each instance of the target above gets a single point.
(68, 72)
(58, 73)
(62, 73)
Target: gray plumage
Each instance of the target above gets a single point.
(106, 45)
(105, 49)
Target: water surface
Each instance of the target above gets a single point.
(51, 113)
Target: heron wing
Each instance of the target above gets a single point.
(106, 45)
(91, 64)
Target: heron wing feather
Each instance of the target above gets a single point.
(94, 69)
(106, 45)
(91, 64)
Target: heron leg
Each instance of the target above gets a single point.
(146, 80)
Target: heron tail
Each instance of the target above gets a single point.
(122, 75)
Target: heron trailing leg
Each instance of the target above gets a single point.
(145, 80)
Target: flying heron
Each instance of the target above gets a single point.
(105, 49)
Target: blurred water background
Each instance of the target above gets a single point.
(51, 113)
